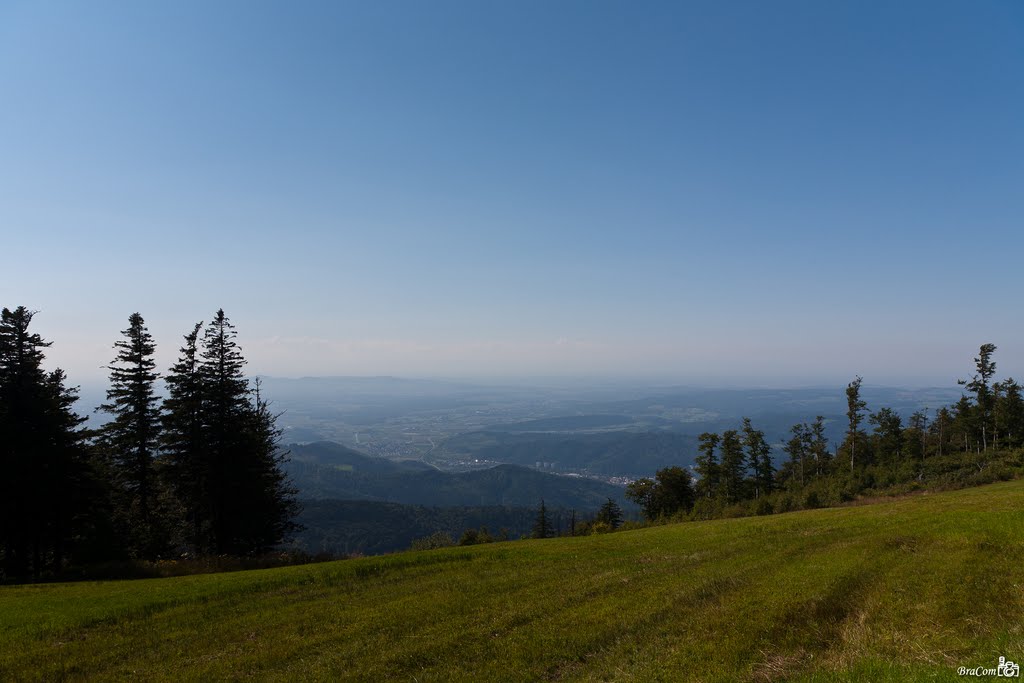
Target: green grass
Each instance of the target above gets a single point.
(904, 590)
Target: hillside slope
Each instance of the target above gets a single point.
(326, 470)
(904, 590)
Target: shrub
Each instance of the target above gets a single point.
(706, 508)
(438, 539)
(811, 500)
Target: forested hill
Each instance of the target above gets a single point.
(326, 470)
(361, 527)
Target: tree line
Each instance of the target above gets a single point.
(976, 440)
(197, 472)
(546, 524)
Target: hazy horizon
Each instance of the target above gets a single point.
(585, 382)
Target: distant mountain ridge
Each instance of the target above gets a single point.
(333, 455)
(615, 453)
(568, 423)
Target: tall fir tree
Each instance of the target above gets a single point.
(273, 506)
(226, 421)
(130, 441)
(49, 493)
(223, 445)
(182, 443)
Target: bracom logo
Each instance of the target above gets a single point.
(1005, 669)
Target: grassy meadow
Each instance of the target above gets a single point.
(909, 589)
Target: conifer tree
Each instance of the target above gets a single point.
(1008, 413)
(670, 492)
(707, 465)
(888, 435)
(855, 408)
(610, 513)
(182, 442)
(915, 435)
(759, 457)
(542, 526)
(225, 411)
(673, 491)
(964, 419)
(643, 492)
(731, 466)
(940, 428)
(130, 441)
(48, 492)
(819, 447)
(224, 449)
(980, 385)
(797, 447)
(272, 505)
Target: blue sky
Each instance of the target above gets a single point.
(788, 192)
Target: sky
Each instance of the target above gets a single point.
(786, 192)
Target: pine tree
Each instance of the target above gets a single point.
(964, 419)
(673, 491)
(48, 492)
(542, 527)
(1008, 413)
(131, 439)
(226, 422)
(610, 513)
(670, 492)
(941, 427)
(797, 449)
(980, 385)
(185, 465)
(223, 446)
(855, 408)
(888, 435)
(272, 505)
(819, 447)
(643, 492)
(759, 457)
(707, 465)
(732, 467)
(914, 436)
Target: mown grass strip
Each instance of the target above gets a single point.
(904, 590)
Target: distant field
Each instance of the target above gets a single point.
(904, 590)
